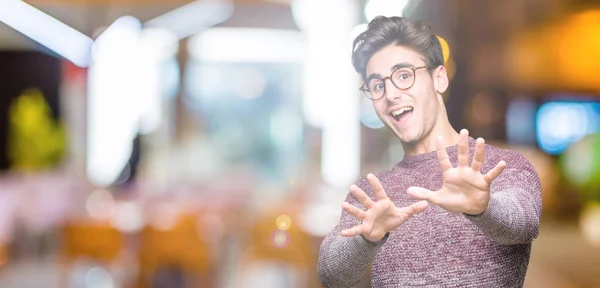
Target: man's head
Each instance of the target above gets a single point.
(401, 64)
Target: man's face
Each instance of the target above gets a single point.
(419, 103)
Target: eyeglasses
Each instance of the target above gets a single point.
(403, 78)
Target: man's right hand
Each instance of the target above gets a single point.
(381, 216)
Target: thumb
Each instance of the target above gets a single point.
(421, 194)
(414, 208)
(418, 207)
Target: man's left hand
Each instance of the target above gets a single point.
(464, 189)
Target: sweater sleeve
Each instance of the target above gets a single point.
(515, 205)
(344, 260)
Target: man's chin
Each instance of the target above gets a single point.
(407, 138)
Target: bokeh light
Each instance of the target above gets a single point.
(97, 277)
(280, 239)
(445, 48)
(581, 165)
(100, 204)
(590, 223)
(164, 216)
(561, 123)
(283, 222)
(128, 217)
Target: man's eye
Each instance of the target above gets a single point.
(377, 87)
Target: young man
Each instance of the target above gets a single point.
(455, 211)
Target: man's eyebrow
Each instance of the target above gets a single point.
(373, 76)
(401, 65)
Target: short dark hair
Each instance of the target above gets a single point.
(383, 31)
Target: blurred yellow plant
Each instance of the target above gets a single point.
(35, 141)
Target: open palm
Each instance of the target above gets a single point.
(381, 216)
(464, 188)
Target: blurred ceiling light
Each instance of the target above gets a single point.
(113, 108)
(247, 45)
(387, 8)
(155, 47)
(158, 43)
(191, 18)
(125, 92)
(327, 53)
(124, 31)
(312, 16)
(46, 30)
(330, 91)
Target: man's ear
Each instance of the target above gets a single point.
(440, 79)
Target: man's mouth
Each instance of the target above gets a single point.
(401, 113)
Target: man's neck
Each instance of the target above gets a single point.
(428, 143)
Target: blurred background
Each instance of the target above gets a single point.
(210, 143)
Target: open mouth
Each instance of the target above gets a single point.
(402, 113)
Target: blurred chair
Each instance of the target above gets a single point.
(175, 252)
(96, 241)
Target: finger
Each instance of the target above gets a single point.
(422, 194)
(361, 196)
(353, 210)
(463, 148)
(377, 187)
(415, 208)
(495, 172)
(478, 157)
(356, 230)
(442, 155)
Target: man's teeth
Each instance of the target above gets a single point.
(402, 110)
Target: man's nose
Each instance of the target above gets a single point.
(391, 91)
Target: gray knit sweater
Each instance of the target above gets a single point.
(438, 248)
